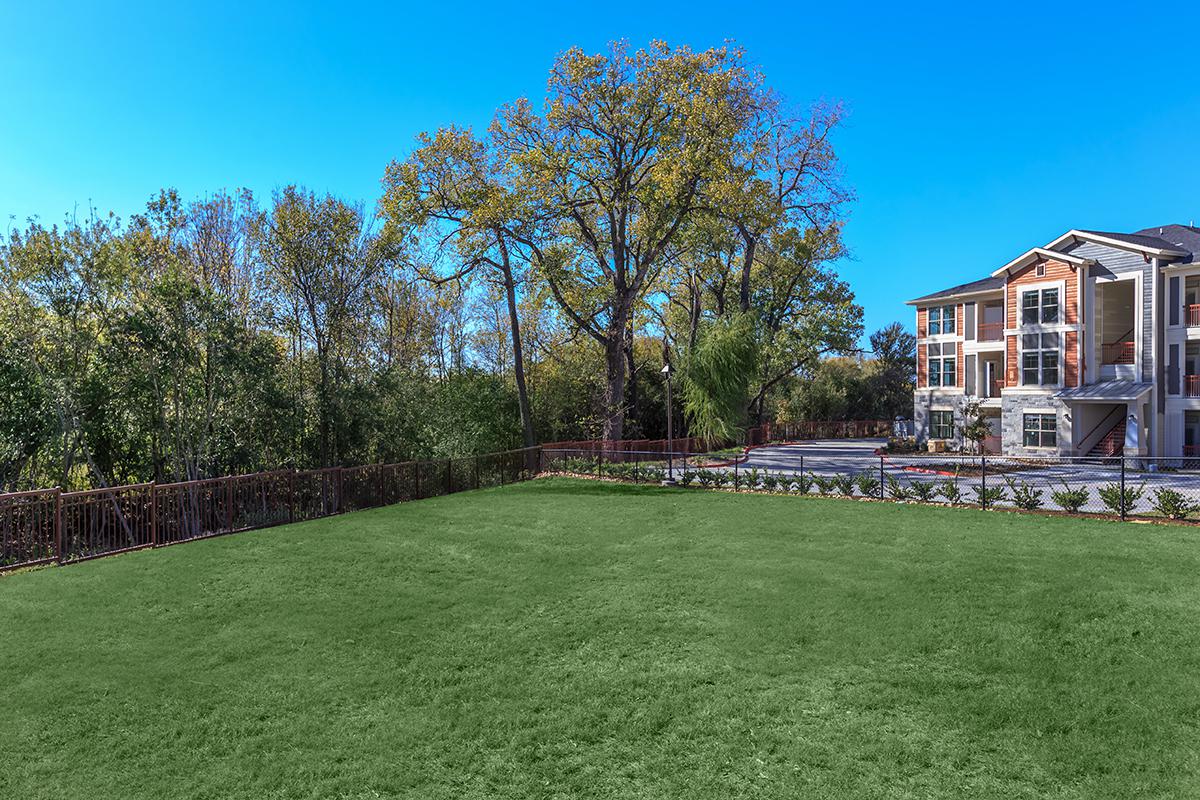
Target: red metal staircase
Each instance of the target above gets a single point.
(1112, 443)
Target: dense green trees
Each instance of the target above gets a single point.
(514, 285)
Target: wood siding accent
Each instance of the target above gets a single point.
(1068, 309)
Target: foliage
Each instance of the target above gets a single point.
(990, 495)
(1070, 500)
(1118, 501)
(975, 426)
(924, 491)
(1025, 495)
(715, 377)
(949, 491)
(824, 483)
(843, 484)
(1173, 504)
(897, 490)
(868, 483)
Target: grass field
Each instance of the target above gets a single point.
(562, 639)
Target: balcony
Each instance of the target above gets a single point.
(994, 331)
(1191, 385)
(1117, 353)
(1191, 450)
(1192, 315)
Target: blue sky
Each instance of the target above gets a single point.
(975, 132)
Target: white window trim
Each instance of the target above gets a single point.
(941, 410)
(1048, 327)
(942, 336)
(1042, 413)
(1062, 344)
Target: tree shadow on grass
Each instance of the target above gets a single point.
(584, 487)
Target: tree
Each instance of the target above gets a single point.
(453, 190)
(894, 377)
(616, 165)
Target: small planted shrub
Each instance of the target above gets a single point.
(948, 490)
(990, 495)
(804, 482)
(1024, 495)
(687, 477)
(751, 479)
(868, 483)
(896, 490)
(769, 482)
(824, 483)
(922, 490)
(652, 474)
(1070, 500)
(1173, 505)
(843, 484)
(708, 478)
(1118, 501)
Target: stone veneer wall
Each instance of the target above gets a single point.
(1012, 424)
(924, 402)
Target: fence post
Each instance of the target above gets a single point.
(983, 495)
(881, 495)
(338, 493)
(379, 485)
(229, 503)
(735, 474)
(291, 495)
(58, 529)
(599, 455)
(153, 514)
(476, 472)
(416, 480)
(449, 476)
(637, 462)
(539, 460)
(1122, 503)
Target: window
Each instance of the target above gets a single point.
(1039, 359)
(942, 364)
(941, 424)
(1039, 307)
(1040, 430)
(941, 320)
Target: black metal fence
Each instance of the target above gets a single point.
(53, 526)
(1122, 488)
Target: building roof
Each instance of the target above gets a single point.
(988, 284)
(1105, 391)
(1177, 237)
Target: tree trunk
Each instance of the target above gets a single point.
(614, 379)
(744, 292)
(518, 357)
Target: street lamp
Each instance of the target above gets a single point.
(670, 479)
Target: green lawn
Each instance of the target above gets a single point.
(563, 639)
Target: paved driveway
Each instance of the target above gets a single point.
(851, 456)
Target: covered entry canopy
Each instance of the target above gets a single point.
(1106, 392)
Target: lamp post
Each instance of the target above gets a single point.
(670, 479)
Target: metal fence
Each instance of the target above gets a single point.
(1120, 488)
(53, 526)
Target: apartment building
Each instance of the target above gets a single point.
(1089, 345)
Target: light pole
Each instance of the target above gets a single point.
(670, 479)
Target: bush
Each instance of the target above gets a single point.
(1024, 495)
(1119, 502)
(989, 496)
(922, 490)
(1173, 505)
(687, 477)
(824, 483)
(896, 490)
(751, 479)
(804, 482)
(844, 485)
(708, 478)
(651, 474)
(949, 491)
(1070, 500)
(770, 482)
(868, 483)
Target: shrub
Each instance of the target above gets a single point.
(824, 483)
(1070, 500)
(868, 483)
(1025, 495)
(687, 477)
(770, 482)
(1120, 502)
(1173, 505)
(651, 474)
(896, 490)
(708, 478)
(752, 479)
(843, 484)
(989, 496)
(922, 490)
(948, 489)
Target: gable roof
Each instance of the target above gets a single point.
(1138, 242)
(988, 284)
(1180, 237)
(1038, 253)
